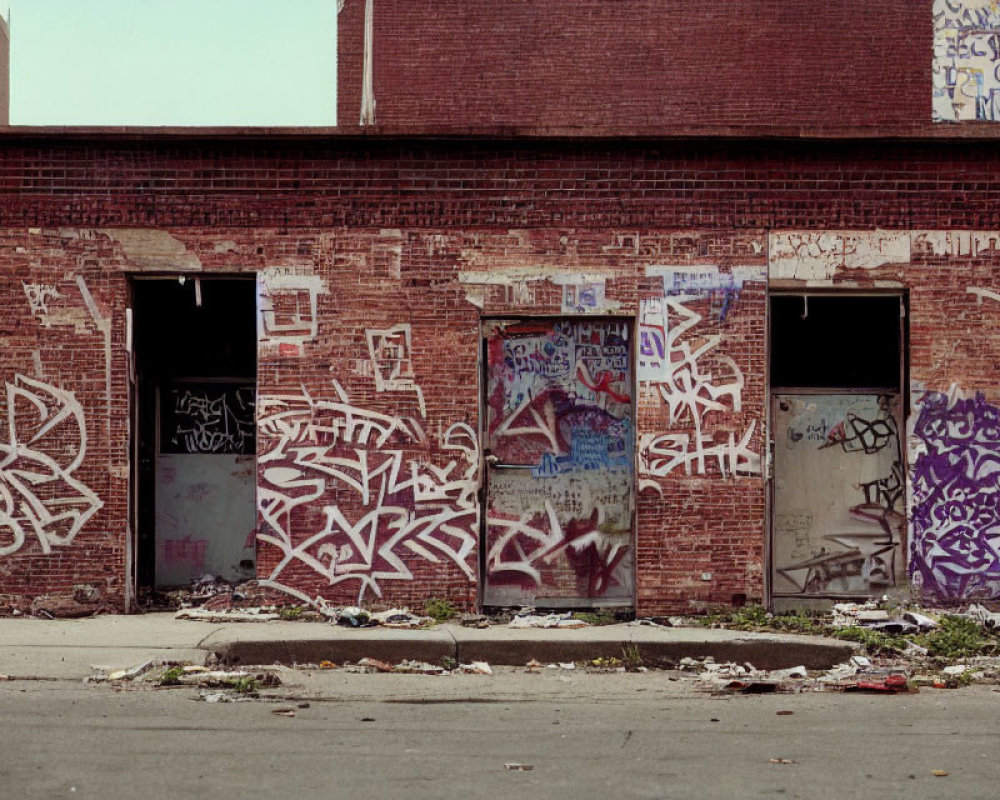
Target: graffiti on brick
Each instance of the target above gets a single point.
(965, 70)
(289, 315)
(384, 496)
(391, 354)
(208, 419)
(47, 443)
(955, 550)
(559, 407)
(679, 360)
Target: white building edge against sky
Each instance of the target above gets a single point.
(173, 62)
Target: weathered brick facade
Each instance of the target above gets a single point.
(394, 251)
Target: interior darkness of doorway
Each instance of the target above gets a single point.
(835, 341)
(174, 337)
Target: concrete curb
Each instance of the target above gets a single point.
(514, 647)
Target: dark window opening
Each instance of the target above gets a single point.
(835, 341)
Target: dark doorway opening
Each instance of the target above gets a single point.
(842, 341)
(195, 347)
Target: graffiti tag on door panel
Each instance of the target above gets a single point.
(839, 522)
(559, 419)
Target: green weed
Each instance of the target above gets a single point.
(171, 677)
(439, 609)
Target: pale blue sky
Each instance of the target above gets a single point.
(182, 62)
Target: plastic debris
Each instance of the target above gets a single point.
(516, 767)
(985, 617)
(227, 614)
(783, 761)
(532, 620)
(940, 773)
(375, 664)
(476, 668)
(399, 618)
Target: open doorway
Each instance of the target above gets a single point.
(837, 493)
(195, 346)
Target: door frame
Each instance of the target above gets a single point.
(903, 392)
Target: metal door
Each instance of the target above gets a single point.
(560, 463)
(838, 522)
(205, 483)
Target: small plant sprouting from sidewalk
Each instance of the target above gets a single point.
(440, 609)
(290, 612)
(172, 676)
(246, 685)
(631, 657)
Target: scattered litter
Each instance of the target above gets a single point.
(956, 669)
(399, 618)
(215, 697)
(567, 665)
(532, 620)
(985, 617)
(227, 614)
(923, 622)
(354, 617)
(861, 661)
(788, 674)
(373, 664)
(475, 668)
(891, 684)
(783, 761)
(283, 712)
(419, 667)
(784, 713)
(368, 719)
(514, 766)
(170, 674)
(940, 773)
(324, 664)
(133, 672)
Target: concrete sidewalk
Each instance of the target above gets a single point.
(72, 648)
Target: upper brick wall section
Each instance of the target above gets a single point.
(616, 65)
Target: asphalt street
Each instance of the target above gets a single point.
(558, 734)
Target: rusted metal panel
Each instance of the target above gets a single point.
(560, 463)
(838, 523)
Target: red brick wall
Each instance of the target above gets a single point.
(640, 64)
(388, 229)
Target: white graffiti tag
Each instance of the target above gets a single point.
(47, 441)
(381, 490)
(693, 381)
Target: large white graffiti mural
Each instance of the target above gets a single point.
(46, 443)
(679, 360)
(383, 497)
(966, 65)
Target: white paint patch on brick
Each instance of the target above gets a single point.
(819, 255)
(151, 249)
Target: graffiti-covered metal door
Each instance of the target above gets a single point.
(838, 523)
(205, 512)
(560, 464)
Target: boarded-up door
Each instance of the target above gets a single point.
(560, 463)
(838, 522)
